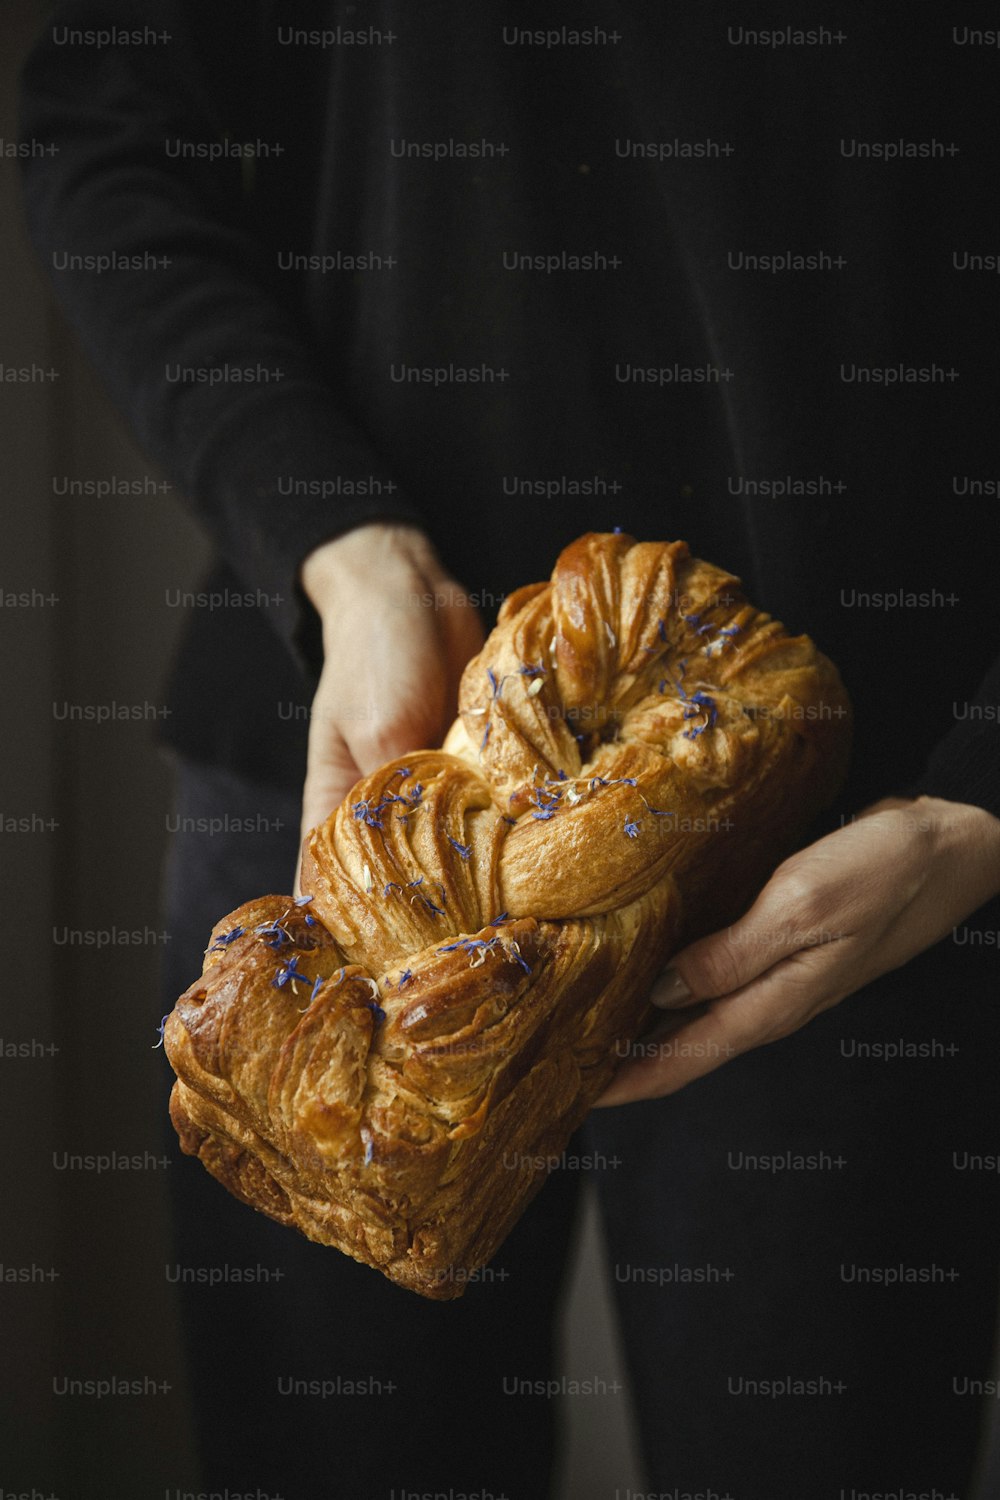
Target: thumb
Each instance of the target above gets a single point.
(380, 696)
(332, 771)
(331, 774)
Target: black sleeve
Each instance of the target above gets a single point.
(100, 182)
(964, 766)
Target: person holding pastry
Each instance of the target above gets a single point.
(452, 334)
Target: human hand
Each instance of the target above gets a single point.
(831, 919)
(397, 633)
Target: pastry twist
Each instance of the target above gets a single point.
(393, 1063)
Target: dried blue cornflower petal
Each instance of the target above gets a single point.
(677, 686)
(614, 781)
(496, 685)
(464, 849)
(225, 938)
(482, 742)
(722, 640)
(163, 1022)
(376, 1011)
(289, 973)
(631, 828)
(694, 622)
(302, 900)
(405, 977)
(272, 934)
(546, 803)
(408, 800)
(516, 952)
(470, 945)
(700, 703)
(369, 814)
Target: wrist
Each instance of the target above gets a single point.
(956, 835)
(959, 836)
(967, 835)
(335, 567)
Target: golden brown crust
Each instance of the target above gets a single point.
(391, 1067)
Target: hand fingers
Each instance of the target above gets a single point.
(401, 675)
(770, 1007)
(463, 626)
(331, 774)
(785, 919)
(667, 1059)
(380, 696)
(463, 638)
(389, 686)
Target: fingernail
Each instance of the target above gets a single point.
(669, 990)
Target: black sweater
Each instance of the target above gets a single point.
(662, 381)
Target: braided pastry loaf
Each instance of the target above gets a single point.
(391, 1063)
